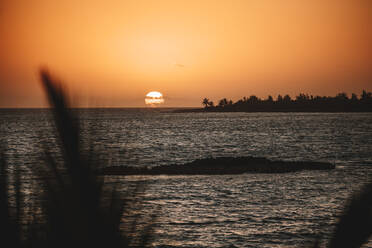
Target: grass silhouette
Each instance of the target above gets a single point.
(10, 231)
(74, 214)
(355, 224)
(78, 210)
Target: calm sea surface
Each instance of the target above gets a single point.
(249, 210)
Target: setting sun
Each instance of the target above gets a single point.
(154, 98)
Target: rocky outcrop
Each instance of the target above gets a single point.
(222, 165)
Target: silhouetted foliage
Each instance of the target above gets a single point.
(10, 227)
(78, 211)
(302, 103)
(287, 99)
(222, 103)
(354, 226)
(207, 103)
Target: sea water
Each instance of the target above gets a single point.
(249, 210)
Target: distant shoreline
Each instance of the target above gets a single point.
(204, 110)
(302, 103)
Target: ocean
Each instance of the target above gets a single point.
(248, 210)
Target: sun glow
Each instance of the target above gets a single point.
(188, 49)
(154, 98)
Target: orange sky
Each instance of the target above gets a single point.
(111, 53)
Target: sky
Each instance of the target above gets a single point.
(112, 53)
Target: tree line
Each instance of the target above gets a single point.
(301, 103)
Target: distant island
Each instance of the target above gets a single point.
(221, 166)
(302, 103)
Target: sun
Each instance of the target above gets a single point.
(154, 98)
